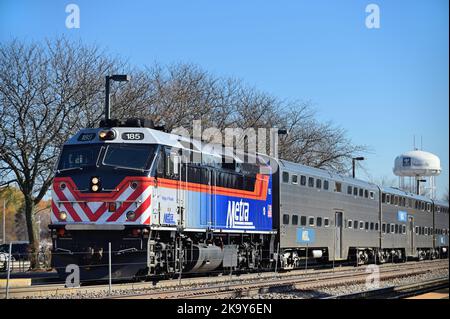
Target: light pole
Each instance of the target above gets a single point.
(418, 185)
(354, 159)
(117, 78)
(4, 222)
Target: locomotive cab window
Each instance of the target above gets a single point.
(129, 156)
(78, 156)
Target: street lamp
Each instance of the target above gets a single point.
(117, 78)
(274, 140)
(354, 159)
(418, 185)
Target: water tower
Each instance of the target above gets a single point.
(416, 171)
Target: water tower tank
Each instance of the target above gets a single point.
(417, 163)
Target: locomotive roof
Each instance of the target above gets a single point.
(307, 170)
(152, 136)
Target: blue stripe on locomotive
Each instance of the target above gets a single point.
(205, 210)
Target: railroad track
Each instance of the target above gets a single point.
(398, 292)
(227, 287)
(239, 290)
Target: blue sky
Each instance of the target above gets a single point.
(382, 85)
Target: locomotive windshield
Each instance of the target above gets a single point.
(135, 156)
(125, 156)
(78, 156)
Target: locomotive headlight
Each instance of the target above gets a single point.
(131, 215)
(62, 216)
(107, 135)
(95, 183)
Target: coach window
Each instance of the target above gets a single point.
(392, 228)
(303, 180)
(303, 220)
(422, 230)
(383, 198)
(438, 209)
(388, 198)
(319, 221)
(318, 183)
(338, 187)
(371, 195)
(366, 193)
(376, 226)
(383, 228)
(417, 230)
(396, 200)
(372, 225)
(355, 191)
(294, 220)
(311, 182)
(396, 228)
(416, 204)
(285, 177)
(349, 190)
(403, 201)
(367, 226)
(361, 192)
(326, 222)
(285, 219)
(355, 224)
(410, 202)
(326, 185)
(349, 224)
(311, 221)
(294, 179)
(361, 225)
(425, 231)
(428, 207)
(422, 206)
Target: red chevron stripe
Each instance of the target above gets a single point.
(141, 209)
(138, 191)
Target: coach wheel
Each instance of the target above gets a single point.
(362, 257)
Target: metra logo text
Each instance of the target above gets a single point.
(238, 215)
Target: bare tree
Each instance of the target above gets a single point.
(46, 93)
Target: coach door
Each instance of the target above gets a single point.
(338, 235)
(410, 235)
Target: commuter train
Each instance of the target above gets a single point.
(164, 204)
